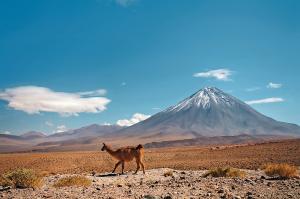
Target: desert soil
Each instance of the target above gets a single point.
(183, 184)
(185, 158)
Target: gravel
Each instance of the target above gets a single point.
(154, 185)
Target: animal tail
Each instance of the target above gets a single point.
(139, 147)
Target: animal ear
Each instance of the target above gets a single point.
(104, 144)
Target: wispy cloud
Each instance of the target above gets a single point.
(274, 85)
(125, 3)
(265, 101)
(253, 89)
(49, 123)
(5, 133)
(61, 129)
(123, 84)
(222, 74)
(34, 99)
(137, 117)
(106, 124)
(99, 92)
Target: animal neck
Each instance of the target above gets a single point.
(110, 151)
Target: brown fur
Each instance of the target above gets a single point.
(126, 154)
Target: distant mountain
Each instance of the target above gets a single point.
(83, 136)
(33, 135)
(217, 140)
(209, 112)
(210, 116)
(93, 130)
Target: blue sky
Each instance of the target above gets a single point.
(141, 56)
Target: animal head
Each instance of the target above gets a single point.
(104, 147)
(139, 147)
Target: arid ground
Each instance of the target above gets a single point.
(188, 158)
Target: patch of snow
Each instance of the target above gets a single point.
(203, 99)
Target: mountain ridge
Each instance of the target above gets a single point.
(211, 112)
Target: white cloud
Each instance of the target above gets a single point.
(156, 108)
(34, 99)
(253, 89)
(123, 84)
(222, 74)
(61, 129)
(5, 133)
(99, 92)
(49, 123)
(274, 85)
(106, 124)
(266, 100)
(137, 117)
(125, 3)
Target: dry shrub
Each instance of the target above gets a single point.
(73, 181)
(168, 173)
(22, 178)
(282, 170)
(225, 172)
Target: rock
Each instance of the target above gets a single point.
(98, 188)
(249, 193)
(149, 197)
(221, 191)
(236, 197)
(4, 188)
(262, 177)
(168, 197)
(47, 196)
(119, 185)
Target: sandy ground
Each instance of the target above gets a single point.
(183, 184)
(184, 158)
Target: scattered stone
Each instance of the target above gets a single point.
(149, 197)
(236, 197)
(192, 185)
(4, 188)
(221, 191)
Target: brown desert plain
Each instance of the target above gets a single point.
(244, 156)
(178, 172)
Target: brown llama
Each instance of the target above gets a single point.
(126, 154)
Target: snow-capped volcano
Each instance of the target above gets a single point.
(204, 99)
(209, 112)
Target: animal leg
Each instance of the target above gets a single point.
(118, 163)
(141, 162)
(123, 165)
(137, 166)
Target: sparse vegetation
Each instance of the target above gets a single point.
(22, 178)
(282, 170)
(73, 181)
(225, 172)
(168, 173)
